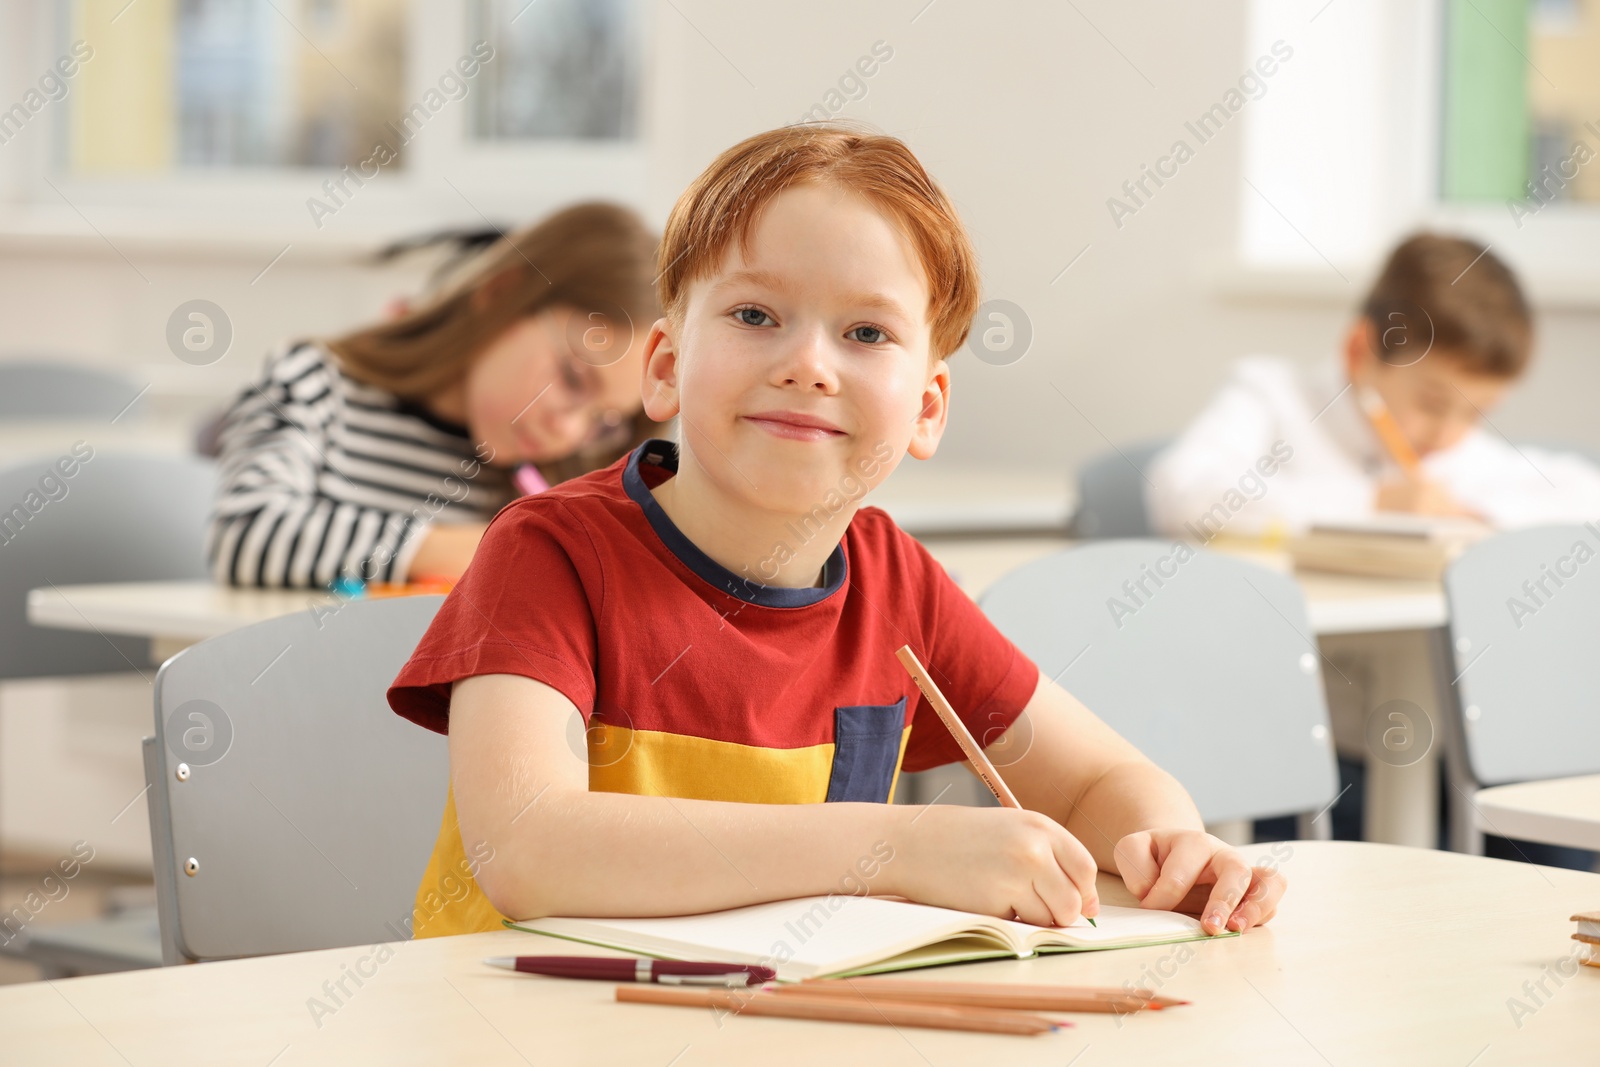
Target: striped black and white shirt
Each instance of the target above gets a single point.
(323, 476)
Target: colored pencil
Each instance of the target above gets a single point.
(1020, 997)
(1388, 431)
(836, 1009)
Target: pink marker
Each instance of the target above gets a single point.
(528, 480)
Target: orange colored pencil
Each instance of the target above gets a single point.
(983, 995)
(989, 994)
(958, 730)
(1388, 431)
(835, 1009)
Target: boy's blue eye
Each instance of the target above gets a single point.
(751, 316)
(868, 335)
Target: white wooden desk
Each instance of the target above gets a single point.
(1335, 603)
(25, 440)
(1380, 955)
(941, 498)
(173, 615)
(1560, 811)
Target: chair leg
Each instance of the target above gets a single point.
(161, 854)
(1308, 827)
(1464, 833)
(1461, 823)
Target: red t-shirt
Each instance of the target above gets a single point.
(697, 682)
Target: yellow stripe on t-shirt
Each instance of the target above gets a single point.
(644, 763)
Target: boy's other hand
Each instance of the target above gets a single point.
(1419, 497)
(997, 861)
(1198, 874)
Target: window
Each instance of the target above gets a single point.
(225, 119)
(567, 69)
(234, 83)
(1521, 100)
(1398, 115)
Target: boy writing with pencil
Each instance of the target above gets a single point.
(1396, 426)
(671, 686)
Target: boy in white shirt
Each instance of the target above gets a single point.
(1441, 338)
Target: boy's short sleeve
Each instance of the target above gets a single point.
(985, 677)
(523, 607)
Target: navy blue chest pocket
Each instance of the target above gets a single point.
(866, 750)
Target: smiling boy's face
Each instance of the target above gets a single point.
(803, 360)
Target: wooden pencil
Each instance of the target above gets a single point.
(1389, 432)
(957, 728)
(1040, 997)
(836, 1009)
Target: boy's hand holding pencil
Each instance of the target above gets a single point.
(1030, 863)
(1033, 864)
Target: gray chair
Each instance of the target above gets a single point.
(1214, 674)
(56, 388)
(123, 518)
(1111, 490)
(1526, 665)
(290, 808)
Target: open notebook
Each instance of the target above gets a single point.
(841, 935)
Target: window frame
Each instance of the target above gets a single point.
(1386, 181)
(450, 178)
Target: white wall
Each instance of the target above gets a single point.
(1031, 115)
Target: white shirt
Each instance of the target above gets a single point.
(1216, 473)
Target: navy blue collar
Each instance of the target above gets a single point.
(664, 454)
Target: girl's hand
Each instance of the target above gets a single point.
(1192, 872)
(446, 550)
(997, 861)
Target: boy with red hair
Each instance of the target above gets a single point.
(717, 618)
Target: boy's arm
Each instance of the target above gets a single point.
(1062, 760)
(521, 785)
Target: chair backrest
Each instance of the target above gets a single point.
(304, 810)
(1111, 491)
(1525, 637)
(1213, 673)
(118, 517)
(58, 389)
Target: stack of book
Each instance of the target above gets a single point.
(1588, 933)
(1386, 546)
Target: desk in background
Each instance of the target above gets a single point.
(25, 440)
(1559, 811)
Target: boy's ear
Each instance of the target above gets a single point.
(929, 424)
(661, 400)
(1360, 348)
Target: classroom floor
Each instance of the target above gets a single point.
(94, 892)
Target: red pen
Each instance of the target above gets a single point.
(640, 969)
